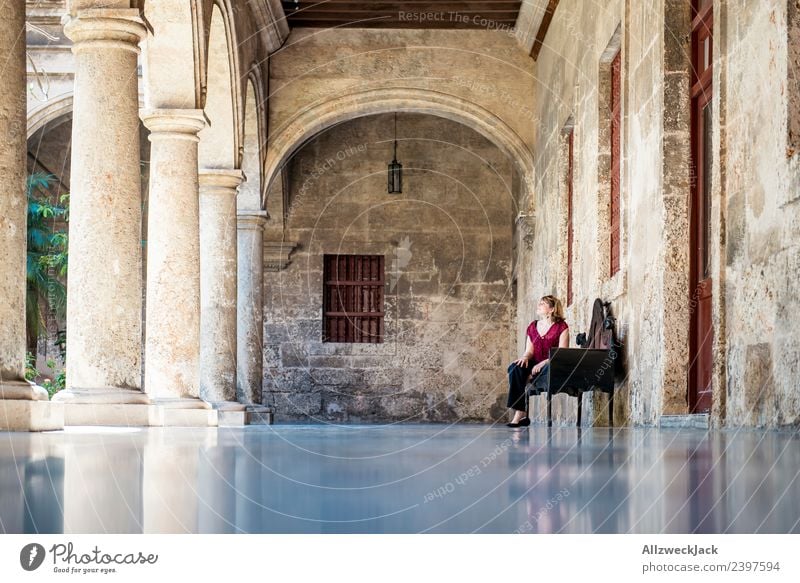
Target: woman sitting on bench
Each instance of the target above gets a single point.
(549, 331)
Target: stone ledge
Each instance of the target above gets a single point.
(22, 415)
(229, 418)
(112, 414)
(258, 415)
(277, 254)
(174, 417)
(169, 414)
(698, 421)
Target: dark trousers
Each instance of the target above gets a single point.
(517, 381)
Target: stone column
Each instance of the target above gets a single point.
(172, 343)
(250, 306)
(218, 272)
(104, 299)
(23, 406)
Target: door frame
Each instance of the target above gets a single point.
(700, 371)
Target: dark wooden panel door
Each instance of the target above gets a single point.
(701, 285)
(616, 125)
(570, 210)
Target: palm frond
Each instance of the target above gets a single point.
(47, 253)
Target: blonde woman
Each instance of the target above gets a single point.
(548, 331)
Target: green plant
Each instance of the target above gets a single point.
(46, 257)
(58, 382)
(30, 367)
(52, 386)
(61, 342)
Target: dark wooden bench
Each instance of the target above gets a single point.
(575, 371)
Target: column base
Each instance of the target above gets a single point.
(259, 415)
(188, 412)
(22, 391)
(111, 406)
(102, 396)
(22, 415)
(230, 413)
(27, 407)
(112, 414)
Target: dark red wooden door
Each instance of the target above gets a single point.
(701, 287)
(616, 125)
(570, 209)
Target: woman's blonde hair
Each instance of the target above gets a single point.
(558, 309)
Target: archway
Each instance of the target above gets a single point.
(250, 196)
(285, 140)
(49, 157)
(220, 139)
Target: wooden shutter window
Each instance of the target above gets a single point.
(353, 298)
(615, 160)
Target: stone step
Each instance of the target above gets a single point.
(696, 421)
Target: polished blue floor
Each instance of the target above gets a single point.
(399, 479)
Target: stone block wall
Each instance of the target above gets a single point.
(447, 246)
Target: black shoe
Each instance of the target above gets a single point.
(522, 423)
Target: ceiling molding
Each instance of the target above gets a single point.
(432, 14)
(544, 25)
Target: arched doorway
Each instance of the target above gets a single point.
(49, 169)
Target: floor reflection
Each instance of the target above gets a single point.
(399, 479)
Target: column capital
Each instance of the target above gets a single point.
(173, 123)
(220, 180)
(251, 220)
(105, 28)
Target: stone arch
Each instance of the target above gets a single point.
(289, 137)
(270, 23)
(50, 111)
(253, 121)
(57, 109)
(220, 140)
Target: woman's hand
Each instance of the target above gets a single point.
(522, 361)
(539, 366)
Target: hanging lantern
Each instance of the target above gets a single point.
(395, 167)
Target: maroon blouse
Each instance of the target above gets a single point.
(543, 344)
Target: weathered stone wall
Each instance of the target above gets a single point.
(754, 214)
(447, 246)
(760, 183)
(572, 82)
(649, 294)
